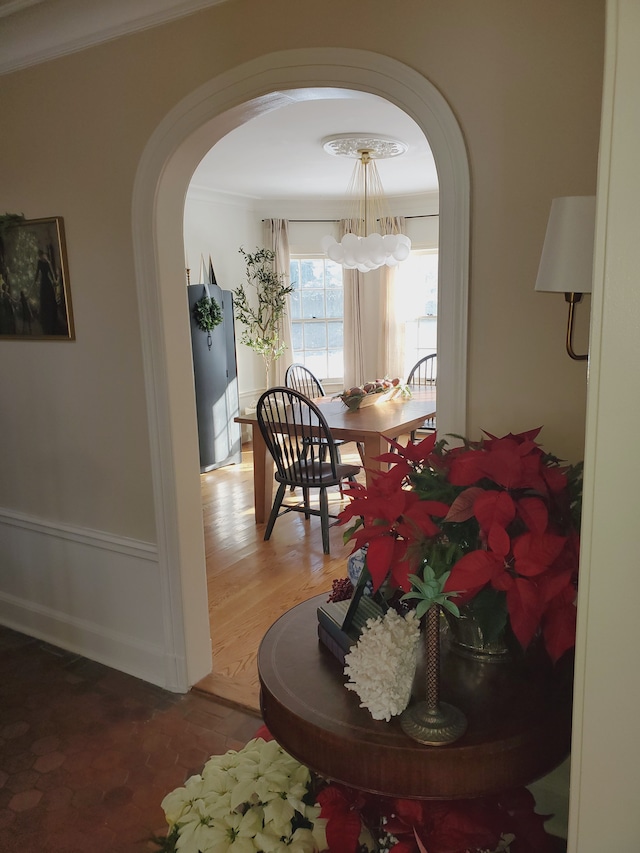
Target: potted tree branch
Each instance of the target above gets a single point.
(260, 304)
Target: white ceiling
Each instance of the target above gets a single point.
(277, 155)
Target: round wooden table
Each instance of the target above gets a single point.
(519, 719)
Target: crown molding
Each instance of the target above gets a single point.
(35, 31)
(10, 7)
(423, 204)
(198, 192)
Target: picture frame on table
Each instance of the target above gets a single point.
(35, 297)
(340, 623)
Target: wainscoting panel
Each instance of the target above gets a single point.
(84, 590)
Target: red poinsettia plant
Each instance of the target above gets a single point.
(359, 821)
(500, 515)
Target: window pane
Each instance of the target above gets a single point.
(296, 309)
(431, 282)
(333, 274)
(318, 297)
(417, 285)
(334, 303)
(312, 272)
(334, 334)
(336, 363)
(312, 304)
(417, 280)
(428, 334)
(296, 336)
(294, 273)
(317, 363)
(315, 336)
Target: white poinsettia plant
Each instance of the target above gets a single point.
(254, 799)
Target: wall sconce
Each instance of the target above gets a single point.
(566, 265)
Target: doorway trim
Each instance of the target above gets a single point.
(166, 166)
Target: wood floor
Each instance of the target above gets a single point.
(251, 582)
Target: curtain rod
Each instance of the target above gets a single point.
(417, 216)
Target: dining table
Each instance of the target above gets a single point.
(369, 426)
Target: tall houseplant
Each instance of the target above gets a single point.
(261, 312)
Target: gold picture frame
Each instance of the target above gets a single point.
(35, 299)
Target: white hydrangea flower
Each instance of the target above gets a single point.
(382, 664)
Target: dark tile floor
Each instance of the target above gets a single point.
(88, 753)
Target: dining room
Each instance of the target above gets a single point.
(262, 558)
(347, 326)
(327, 328)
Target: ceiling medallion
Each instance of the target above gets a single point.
(373, 239)
(353, 144)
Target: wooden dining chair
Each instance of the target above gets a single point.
(424, 373)
(303, 380)
(290, 423)
(306, 382)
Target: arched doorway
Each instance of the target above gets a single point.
(170, 158)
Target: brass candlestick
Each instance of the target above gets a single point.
(433, 722)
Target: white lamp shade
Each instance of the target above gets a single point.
(566, 265)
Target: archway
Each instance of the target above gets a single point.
(167, 164)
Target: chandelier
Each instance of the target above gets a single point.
(365, 248)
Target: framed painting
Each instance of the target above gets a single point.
(35, 300)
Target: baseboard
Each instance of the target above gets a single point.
(86, 591)
(126, 654)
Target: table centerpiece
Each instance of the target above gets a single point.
(372, 393)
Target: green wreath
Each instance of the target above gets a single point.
(207, 314)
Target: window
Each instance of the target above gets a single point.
(417, 306)
(317, 311)
(317, 316)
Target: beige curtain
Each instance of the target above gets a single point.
(354, 294)
(276, 237)
(391, 352)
